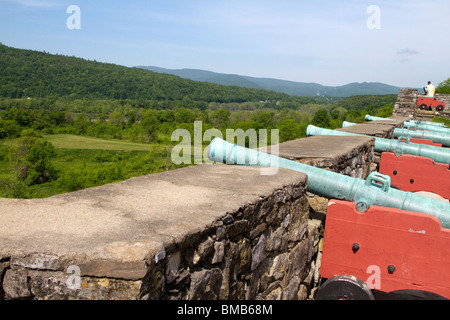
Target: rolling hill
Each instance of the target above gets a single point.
(35, 74)
(290, 87)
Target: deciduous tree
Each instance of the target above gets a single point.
(31, 159)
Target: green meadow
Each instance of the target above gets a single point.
(70, 141)
(83, 162)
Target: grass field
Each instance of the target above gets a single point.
(83, 162)
(69, 141)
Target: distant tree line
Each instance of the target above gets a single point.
(27, 73)
(116, 120)
(31, 158)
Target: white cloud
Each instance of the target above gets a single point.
(37, 3)
(407, 52)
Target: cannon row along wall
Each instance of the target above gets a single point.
(406, 106)
(201, 232)
(380, 128)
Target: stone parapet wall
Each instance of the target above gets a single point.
(406, 105)
(444, 97)
(261, 251)
(380, 129)
(202, 232)
(351, 155)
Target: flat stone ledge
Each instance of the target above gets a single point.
(116, 230)
(321, 147)
(381, 130)
(397, 123)
(342, 154)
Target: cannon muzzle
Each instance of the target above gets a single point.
(373, 118)
(375, 190)
(346, 124)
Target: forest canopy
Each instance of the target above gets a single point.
(67, 123)
(27, 73)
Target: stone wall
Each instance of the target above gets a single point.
(406, 106)
(202, 232)
(380, 128)
(444, 98)
(261, 251)
(352, 156)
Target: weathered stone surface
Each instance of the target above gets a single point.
(237, 228)
(292, 288)
(153, 284)
(130, 270)
(278, 240)
(275, 294)
(205, 284)
(219, 251)
(302, 292)
(37, 261)
(368, 129)
(60, 286)
(259, 252)
(173, 266)
(245, 256)
(204, 232)
(299, 259)
(204, 251)
(15, 284)
(279, 266)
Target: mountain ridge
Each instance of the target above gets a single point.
(309, 89)
(26, 73)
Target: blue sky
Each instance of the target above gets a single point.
(323, 41)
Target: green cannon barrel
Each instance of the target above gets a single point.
(436, 137)
(410, 122)
(399, 147)
(421, 122)
(375, 190)
(412, 125)
(428, 127)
